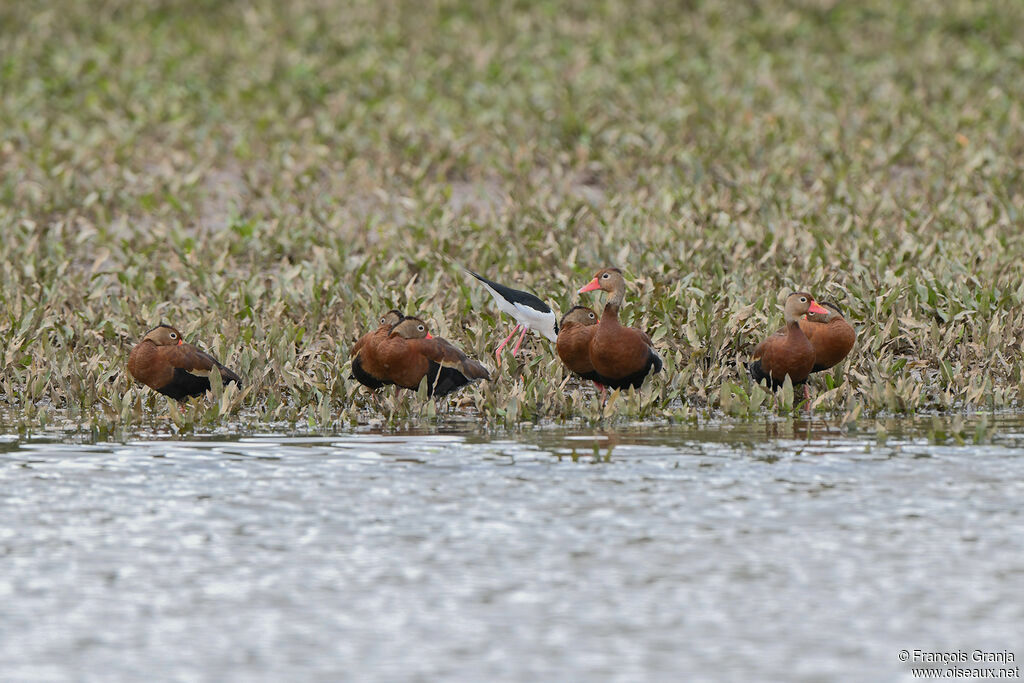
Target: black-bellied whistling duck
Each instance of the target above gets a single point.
(529, 312)
(622, 356)
(164, 362)
(788, 351)
(410, 353)
(831, 336)
(367, 346)
(575, 332)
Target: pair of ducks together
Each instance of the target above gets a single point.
(401, 350)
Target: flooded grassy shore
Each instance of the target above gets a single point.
(270, 181)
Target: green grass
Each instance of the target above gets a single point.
(269, 177)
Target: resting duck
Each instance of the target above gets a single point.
(623, 356)
(165, 363)
(366, 346)
(788, 351)
(575, 332)
(831, 336)
(409, 353)
(529, 312)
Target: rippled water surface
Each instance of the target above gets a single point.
(738, 552)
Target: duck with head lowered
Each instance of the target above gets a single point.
(409, 353)
(366, 348)
(164, 362)
(575, 332)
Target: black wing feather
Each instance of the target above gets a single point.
(516, 296)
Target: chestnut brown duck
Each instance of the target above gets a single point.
(575, 332)
(409, 353)
(165, 363)
(366, 348)
(831, 336)
(622, 356)
(788, 351)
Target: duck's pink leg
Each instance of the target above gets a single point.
(519, 342)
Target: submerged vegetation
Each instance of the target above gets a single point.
(271, 177)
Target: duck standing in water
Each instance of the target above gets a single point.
(622, 356)
(165, 363)
(788, 351)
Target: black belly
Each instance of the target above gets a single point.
(443, 380)
(185, 384)
(365, 378)
(652, 366)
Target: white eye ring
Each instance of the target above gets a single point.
(605, 276)
(173, 336)
(803, 299)
(591, 315)
(420, 328)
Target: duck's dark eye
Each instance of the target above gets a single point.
(383, 320)
(605, 276)
(420, 328)
(173, 336)
(803, 299)
(591, 315)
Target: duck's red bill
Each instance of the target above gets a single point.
(594, 284)
(815, 308)
(429, 336)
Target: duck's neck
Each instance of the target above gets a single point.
(614, 303)
(616, 297)
(611, 313)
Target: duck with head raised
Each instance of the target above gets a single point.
(623, 356)
(788, 351)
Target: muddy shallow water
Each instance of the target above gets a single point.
(735, 551)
